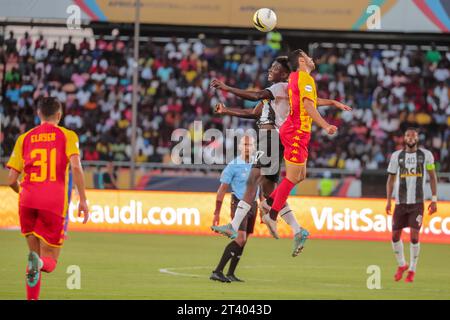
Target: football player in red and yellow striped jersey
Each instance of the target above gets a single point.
(295, 134)
(43, 155)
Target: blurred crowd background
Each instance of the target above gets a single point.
(388, 89)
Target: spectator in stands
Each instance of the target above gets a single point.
(69, 49)
(433, 56)
(11, 44)
(326, 185)
(109, 177)
(274, 39)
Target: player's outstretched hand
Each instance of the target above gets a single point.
(219, 108)
(388, 208)
(218, 84)
(83, 208)
(343, 107)
(432, 208)
(331, 129)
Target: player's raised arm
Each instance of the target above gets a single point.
(334, 103)
(244, 94)
(254, 113)
(317, 118)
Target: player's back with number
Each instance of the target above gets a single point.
(44, 153)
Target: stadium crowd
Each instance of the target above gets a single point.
(388, 89)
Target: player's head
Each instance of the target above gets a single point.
(279, 70)
(411, 137)
(247, 146)
(299, 60)
(49, 109)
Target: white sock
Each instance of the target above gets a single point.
(398, 251)
(414, 250)
(240, 213)
(288, 216)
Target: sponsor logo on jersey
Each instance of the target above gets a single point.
(410, 172)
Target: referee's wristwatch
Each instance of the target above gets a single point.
(433, 198)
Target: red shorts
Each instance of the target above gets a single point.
(295, 143)
(47, 226)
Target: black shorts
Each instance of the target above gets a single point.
(269, 156)
(408, 215)
(248, 224)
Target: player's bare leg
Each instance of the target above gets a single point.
(414, 248)
(286, 213)
(397, 246)
(33, 243)
(294, 175)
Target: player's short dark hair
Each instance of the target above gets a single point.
(293, 58)
(412, 129)
(49, 106)
(284, 61)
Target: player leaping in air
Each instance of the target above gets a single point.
(43, 154)
(271, 113)
(295, 133)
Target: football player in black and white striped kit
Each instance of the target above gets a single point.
(406, 178)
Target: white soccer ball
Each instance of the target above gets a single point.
(264, 20)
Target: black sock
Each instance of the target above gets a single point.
(231, 249)
(235, 260)
(273, 214)
(269, 201)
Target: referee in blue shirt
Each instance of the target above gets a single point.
(235, 175)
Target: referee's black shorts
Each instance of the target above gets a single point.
(248, 224)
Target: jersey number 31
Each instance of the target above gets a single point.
(43, 163)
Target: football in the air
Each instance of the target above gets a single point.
(264, 20)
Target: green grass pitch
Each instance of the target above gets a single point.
(145, 266)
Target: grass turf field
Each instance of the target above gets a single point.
(128, 266)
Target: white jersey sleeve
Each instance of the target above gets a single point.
(278, 89)
(393, 163)
(280, 102)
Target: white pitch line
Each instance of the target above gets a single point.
(181, 274)
(167, 271)
(190, 275)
